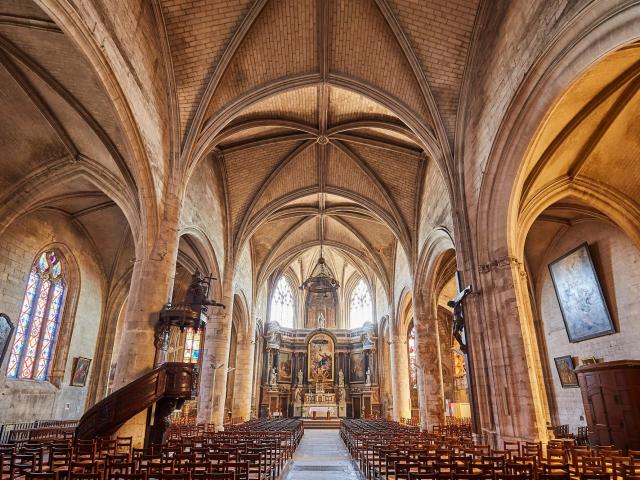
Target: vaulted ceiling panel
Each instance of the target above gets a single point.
(346, 106)
(53, 55)
(198, 31)
(299, 173)
(439, 32)
(343, 173)
(298, 105)
(281, 43)
(247, 169)
(24, 134)
(363, 46)
(398, 172)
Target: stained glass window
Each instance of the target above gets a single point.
(411, 344)
(282, 304)
(38, 321)
(191, 346)
(361, 310)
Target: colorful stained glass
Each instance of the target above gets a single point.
(191, 347)
(38, 322)
(42, 263)
(411, 344)
(33, 338)
(23, 323)
(49, 332)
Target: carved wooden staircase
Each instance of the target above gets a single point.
(168, 386)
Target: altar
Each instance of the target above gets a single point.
(320, 411)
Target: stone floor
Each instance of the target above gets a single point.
(321, 456)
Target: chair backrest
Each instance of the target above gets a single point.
(41, 476)
(127, 476)
(554, 476)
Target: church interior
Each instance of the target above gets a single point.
(282, 239)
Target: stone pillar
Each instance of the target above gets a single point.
(509, 396)
(243, 385)
(151, 287)
(430, 387)
(400, 377)
(215, 359)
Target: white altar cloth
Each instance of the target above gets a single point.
(321, 411)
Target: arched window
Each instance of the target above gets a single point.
(411, 345)
(38, 322)
(361, 309)
(282, 304)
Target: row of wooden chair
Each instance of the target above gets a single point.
(391, 450)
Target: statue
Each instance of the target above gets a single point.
(300, 377)
(458, 318)
(367, 341)
(274, 377)
(368, 379)
(321, 320)
(341, 378)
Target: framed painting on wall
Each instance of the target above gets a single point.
(80, 371)
(284, 367)
(320, 356)
(568, 378)
(356, 371)
(6, 332)
(579, 294)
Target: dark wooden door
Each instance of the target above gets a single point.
(356, 407)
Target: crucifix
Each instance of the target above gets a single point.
(460, 334)
(458, 314)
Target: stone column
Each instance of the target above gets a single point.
(212, 364)
(243, 385)
(430, 388)
(215, 361)
(508, 392)
(151, 287)
(400, 377)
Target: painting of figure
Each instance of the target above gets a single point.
(80, 371)
(321, 358)
(582, 303)
(568, 378)
(6, 331)
(284, 367)
(356, 369)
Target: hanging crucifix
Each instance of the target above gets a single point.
(458, 314)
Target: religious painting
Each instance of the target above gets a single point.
(80, 371)
(568, 378)
(320, 354)
(357, 371)
(582, 303)
(284, 367)
(6, 330)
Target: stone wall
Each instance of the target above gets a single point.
(203, 208)
(616, 260)
(25, 400)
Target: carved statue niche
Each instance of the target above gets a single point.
(274, 339)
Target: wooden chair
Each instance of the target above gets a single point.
(85, 475)
(41, 476)
(22, 463)
(595, 476)
(554, 476)
(127, 476)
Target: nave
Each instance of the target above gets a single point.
(228, 217)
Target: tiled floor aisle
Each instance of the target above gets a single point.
(321, 456)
